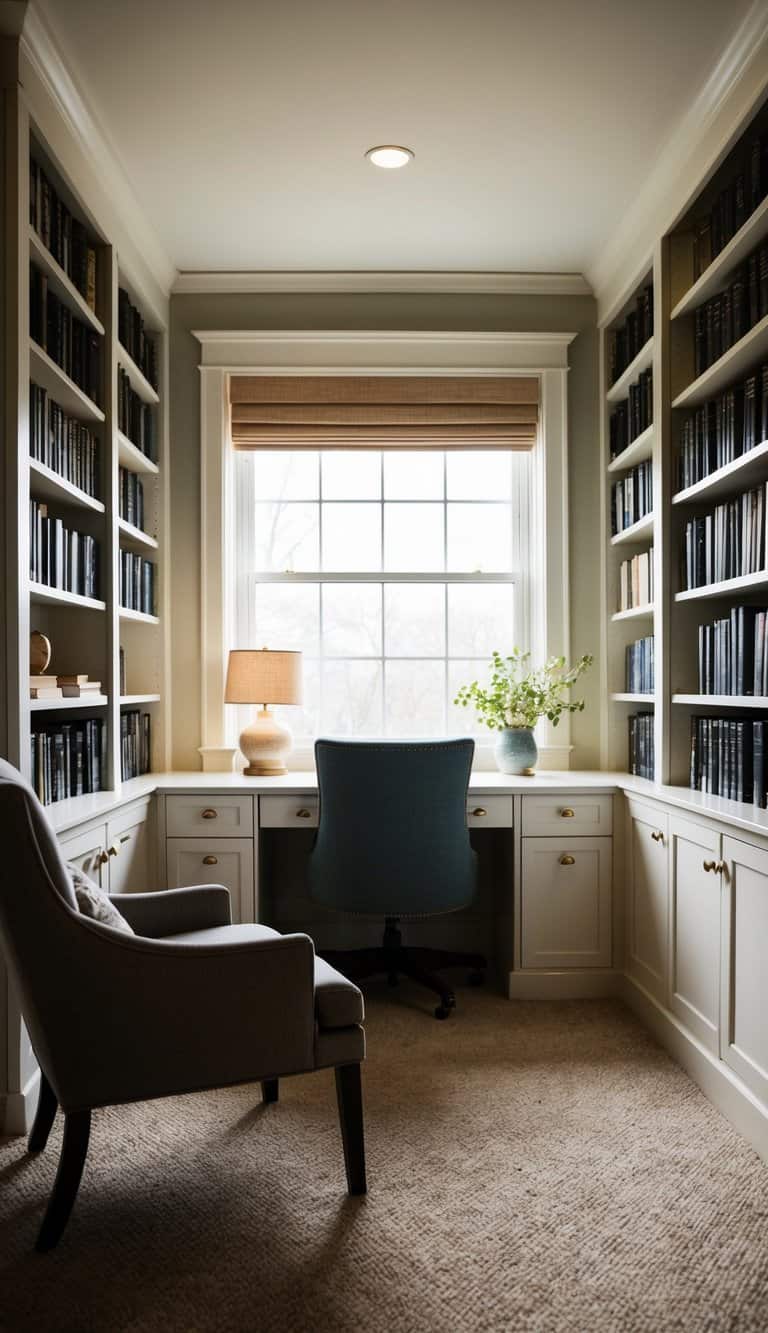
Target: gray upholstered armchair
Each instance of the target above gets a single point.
(187, 1002)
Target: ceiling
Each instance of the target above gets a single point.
(242, 124)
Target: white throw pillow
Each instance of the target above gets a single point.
(95, 903)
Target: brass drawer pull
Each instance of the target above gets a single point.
(210, 860)
(479, 811)
(567, 860)
(303, 814)
(113, 850)
(102, 858)
(210, 814)
(567, 813)
(717, 866)
(657, 835)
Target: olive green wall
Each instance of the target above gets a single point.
(396, 312)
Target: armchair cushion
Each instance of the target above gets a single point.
(93, 902)
(169, 912)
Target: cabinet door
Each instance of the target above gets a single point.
(647, 919)
(566, 902)
(227, 861)
(130, 850)
(744, 1040)
(86, 850)
(694, 982)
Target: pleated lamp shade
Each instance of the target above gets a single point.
(261, 676)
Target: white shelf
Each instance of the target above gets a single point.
(745, 583)
(637, 451)
(728, 369)
(61, 284)
(633, 698)
(635, 613)
(139, 382)
(140, 616)
(636, 532)
(741, 474)
(713, 278)
(91, 701)
(641, 362)
(46, 484)
(134, 537)
(127, 699)
(44, 371)
(39, 593)
(131, 457)
(721, 700)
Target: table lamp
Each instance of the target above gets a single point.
(261, 676)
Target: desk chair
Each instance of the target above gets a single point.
(393, 842)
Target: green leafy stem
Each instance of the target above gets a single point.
(518, 695)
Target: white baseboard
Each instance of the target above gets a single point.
(718, 1083)
(20, 1107)
(563, 985)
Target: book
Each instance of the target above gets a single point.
(81, 691)
(45, 692)
(72, 680)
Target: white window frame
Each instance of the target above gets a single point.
(322, 352)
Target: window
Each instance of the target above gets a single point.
(395, 572)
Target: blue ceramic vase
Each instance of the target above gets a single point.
(516, 751)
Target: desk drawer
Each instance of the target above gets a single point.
(489, 812)
(288, 811)
(208, 815)
(569, 816)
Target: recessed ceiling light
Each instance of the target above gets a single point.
(389, 155)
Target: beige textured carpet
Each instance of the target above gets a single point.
(532, 1167)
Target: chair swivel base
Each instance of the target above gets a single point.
(396, 960)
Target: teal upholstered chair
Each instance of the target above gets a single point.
(393, 842)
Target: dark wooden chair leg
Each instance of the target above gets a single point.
(270, 1089)
(47, 1106)
(349, 1095)
(77, 1128)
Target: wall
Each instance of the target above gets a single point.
(393, 312)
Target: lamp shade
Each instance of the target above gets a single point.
(260, 676)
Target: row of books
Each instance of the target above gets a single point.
(626, 341)
(633, 416)
(641, 746)
(63, 687)
(728, 758)
(724, 429)
(134, 743)
(133, 336)
(734, 204)
(733, 653)
(68, 759)
(131, 497)
(636, 581)
(61, 557)
(726, 544)
(725, 318)
(62, 443)
(640, 666)
(69, 342)
(134, 417)
(62, 234)
(632, 497)
(137, 583)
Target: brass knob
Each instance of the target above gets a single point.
(657, 835)
(567, 813)
(567, 860)
(113, 850)
(303, 814)
(210, 860)
(716, 866)
(210, 814)
(479, 811)
(102, 858)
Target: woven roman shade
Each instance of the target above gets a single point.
(384, 411)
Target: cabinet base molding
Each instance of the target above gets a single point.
(564, 985)
(20, 1107)
(718, 1083)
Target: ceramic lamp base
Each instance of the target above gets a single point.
(266, 745)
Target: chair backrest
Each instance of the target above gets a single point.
(392, 838)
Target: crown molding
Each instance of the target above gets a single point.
(690, 156)
(436, 282)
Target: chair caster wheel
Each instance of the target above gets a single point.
(443, 1011)
(476, 979)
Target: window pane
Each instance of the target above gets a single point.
(284, 474)
(351, 474)
(352, 699)
(478, 475)
(352, 619)
(286, 536)
(463, 721)
(413, 474)
(413, 537)
(351, 537)
(286, 616)
(303, 719)
(415, 698)
(414, 624)
(480, 619)
(479, 538)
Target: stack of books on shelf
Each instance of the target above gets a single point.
(132, 335)
(68, 758)
(137, 583)
(131, 497)
(632, 417)
(726, 544)
(61, 557)
(724, 428)
(639, 666)
(62, 443)
(733, 653)
(734, 204)
(641, 757)
(134, 743)
(632, 497)
(62, 234)
(636, 581)
(63, 687)
(73, 345)
(725, 318)
(728, 758)
(134, 417)
(626, 341)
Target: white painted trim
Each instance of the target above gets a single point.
(20, 1107)
(435, 282)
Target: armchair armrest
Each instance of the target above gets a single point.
(172, 911)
